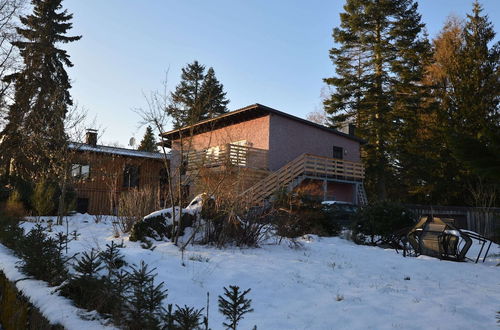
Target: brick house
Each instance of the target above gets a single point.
(271, 149)
(99, 174)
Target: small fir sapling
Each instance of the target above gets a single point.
(168, 318)
(112, 258)
(144, 301)
(235, 306)
(41, 257)
(187, 318)
(85, 288)
(10, 232)
(89, 264)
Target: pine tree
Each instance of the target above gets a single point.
(35, 120)
(148, 142)
(198, 96)
(235, 306)
(380, 43)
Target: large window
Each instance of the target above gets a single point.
(338, 152)
(80, 171)
(131, 176)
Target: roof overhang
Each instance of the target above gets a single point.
(241, 115)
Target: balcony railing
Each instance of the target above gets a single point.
(228, 154)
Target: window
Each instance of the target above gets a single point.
(82, 205)
(131, 176)
(338, 152)
(80, 171)
(163, 177)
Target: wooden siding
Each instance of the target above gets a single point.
(105, 182)
(229, 154)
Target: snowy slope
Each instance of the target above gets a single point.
(329, 283)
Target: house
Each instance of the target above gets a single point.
(100, 174)
(270, 149)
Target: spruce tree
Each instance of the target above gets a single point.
(466, 87)
(186, 105)
(213, 96)
(234, 306)
(148, 142)
(144, 301)
(35, 120)
(379, 44)
(198, 96)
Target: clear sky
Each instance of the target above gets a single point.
(269, 52)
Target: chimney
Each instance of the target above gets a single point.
(352, 129)
(91, 137)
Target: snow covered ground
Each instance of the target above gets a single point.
(329, 283)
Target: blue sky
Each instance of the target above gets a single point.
(269, 52)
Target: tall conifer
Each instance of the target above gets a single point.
(213, 96)
(35, 121)
(198, 96)
(379, 44)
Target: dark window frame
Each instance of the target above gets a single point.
(77, 171)
(338, 152)
(131, 175)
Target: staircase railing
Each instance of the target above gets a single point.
(307, 165)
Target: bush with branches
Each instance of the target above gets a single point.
(298, 214)
(374, 223)
(134, 205)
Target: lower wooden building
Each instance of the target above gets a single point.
(100, 174)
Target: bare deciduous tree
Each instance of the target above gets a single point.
(9, 59)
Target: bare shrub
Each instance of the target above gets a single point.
(134, 205)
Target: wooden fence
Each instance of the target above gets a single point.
(484, 221)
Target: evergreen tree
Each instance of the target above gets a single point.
(466, 87)
(213, 96)
(475, 94)
(35, 120)
(148, 142)
(378, 65)
(235, 306)
(144, 309)
(198, 96)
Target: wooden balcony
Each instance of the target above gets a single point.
(331, 168)
(228, 155)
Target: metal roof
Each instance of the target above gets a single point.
(117, 151)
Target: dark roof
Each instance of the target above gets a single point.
(116, 151)
(244, 114)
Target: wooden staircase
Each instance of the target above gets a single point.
(307, 166)
(361, 195)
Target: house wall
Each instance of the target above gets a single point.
(289, 138)
(255, 131)
(105, 184)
